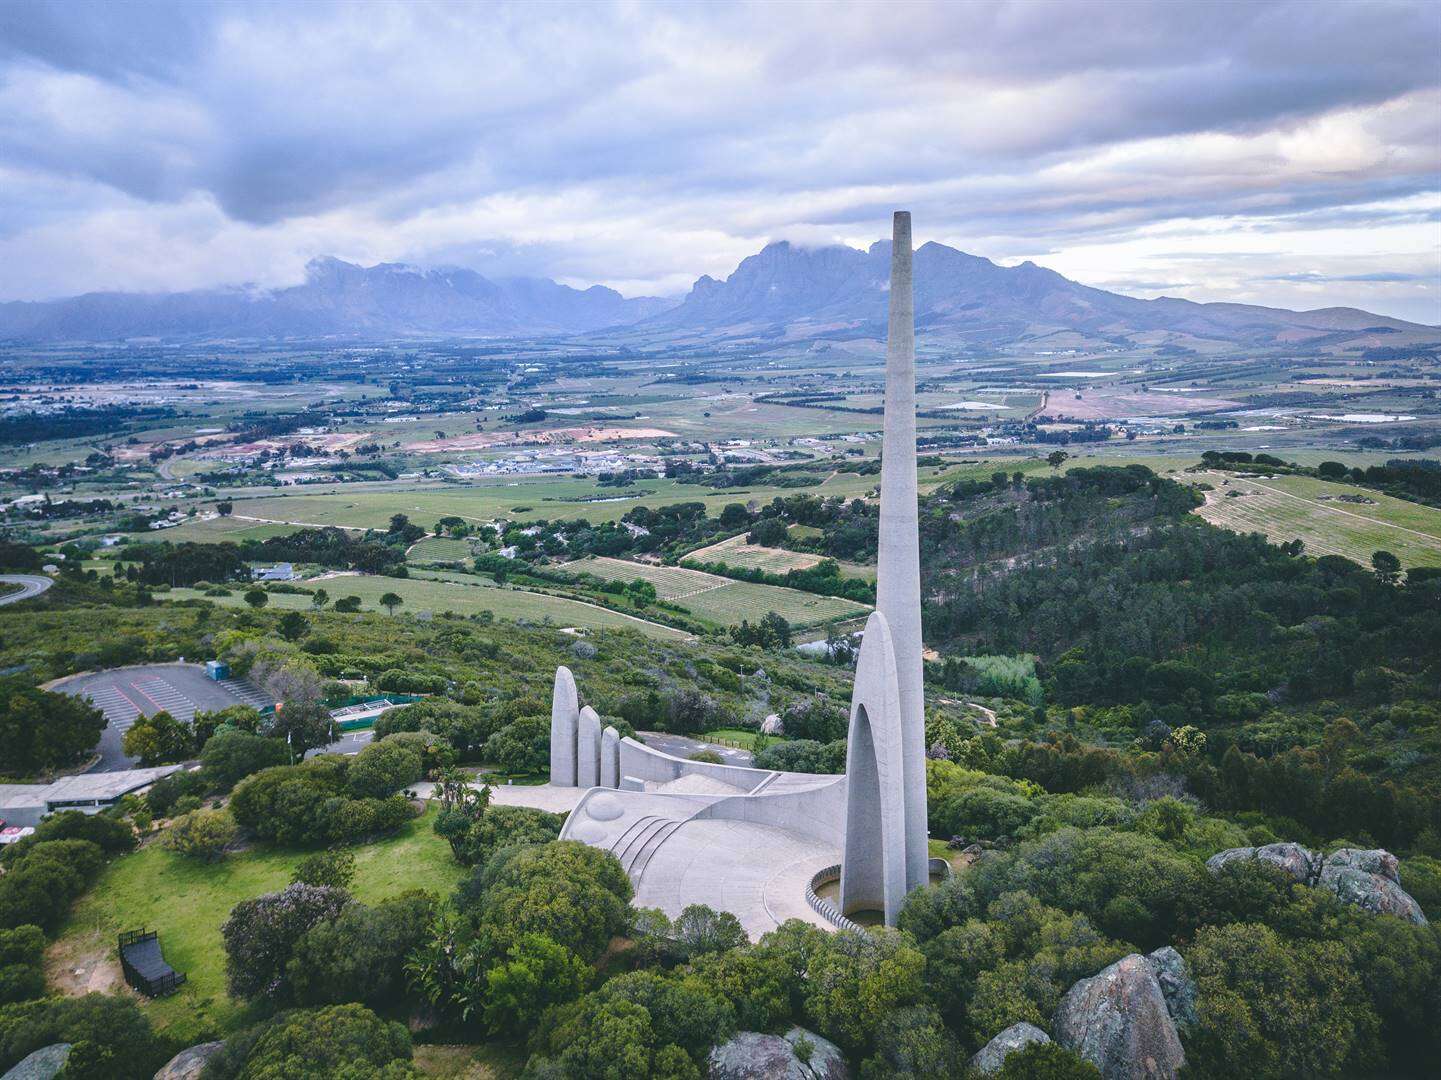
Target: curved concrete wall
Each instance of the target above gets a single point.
(818, 811)
(645, 763)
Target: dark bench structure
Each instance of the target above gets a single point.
(144, 964)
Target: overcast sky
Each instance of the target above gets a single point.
(1284, 153)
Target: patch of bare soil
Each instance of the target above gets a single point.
(84, 964)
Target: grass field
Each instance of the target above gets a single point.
(436, 594)
(1289, 507)
(722, 600)
(188, 901)
(370, 506)
(738, 553)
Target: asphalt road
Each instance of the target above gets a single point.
(682, 747)
(33, 585)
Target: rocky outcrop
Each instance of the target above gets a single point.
(42, 1064)
(1177, 986)
(1300, 864)
(1368, 879)
(189, 1063)
(1016, 1037)
(772, 725)
(797, 1055)
(1121, 1021)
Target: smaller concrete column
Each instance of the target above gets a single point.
(564, 719)
(587, 749)
(610, 758)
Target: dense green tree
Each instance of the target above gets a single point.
(339, 1041)
(360, 955)
(110, 1036)
(816, 718)
(158, 739)
(261, 936)
(578, 896)
(855, 978)
(522, 746)
(229, 756)
(22, 964)
(1275, 1008)
(534, 974)
(476, 833)
(384, 767)
(42, 730)
(1046, 1061)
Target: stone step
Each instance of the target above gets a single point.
(650, 847)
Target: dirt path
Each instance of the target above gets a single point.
(988, 714)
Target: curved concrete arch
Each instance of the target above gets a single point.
(873, 869)
(564, 721)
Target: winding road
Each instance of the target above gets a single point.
(30, 585)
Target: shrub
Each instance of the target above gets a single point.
(335, 869)
(410, 682)
(317, 1044)
(383, 767)
(309, 803)
(38, 888)
(110, 1037)
(22, 959)
(229, 756)
(200, 834)
(474, 838)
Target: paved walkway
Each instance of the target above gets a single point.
(556, 800)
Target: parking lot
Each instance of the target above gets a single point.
(125, 694)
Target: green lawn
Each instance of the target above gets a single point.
(740, 737)
(188, 901)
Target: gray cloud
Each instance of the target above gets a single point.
(644, 144)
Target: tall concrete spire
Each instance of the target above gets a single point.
(898, 567)
(885, 853)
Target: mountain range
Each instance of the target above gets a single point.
(784, 293)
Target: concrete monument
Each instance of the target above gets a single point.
(760, 843)
(564, 720)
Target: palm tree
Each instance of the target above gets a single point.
(391, 601)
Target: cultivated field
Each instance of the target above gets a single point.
(722, 600)
(1288, 507)
(438, 549)
(469, 598)
(746, 556)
